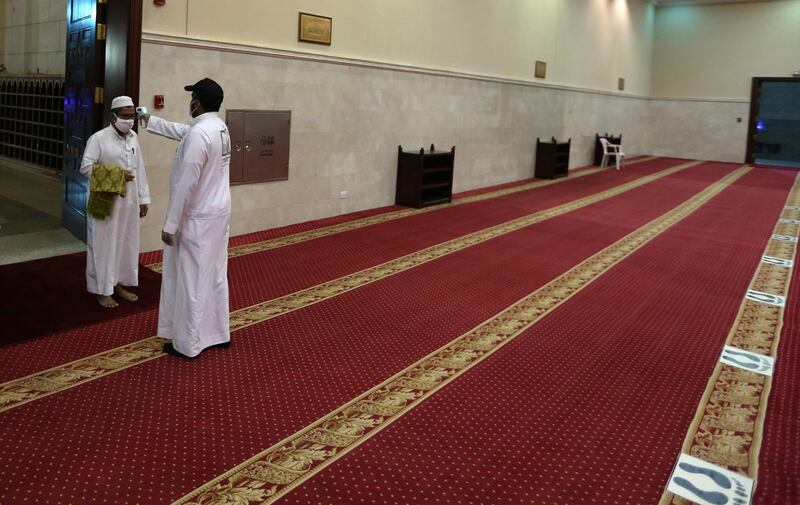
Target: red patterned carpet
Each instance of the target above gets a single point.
(49, 295)
(341, 254)
(590, 405)
(779, 473)
(269, 274)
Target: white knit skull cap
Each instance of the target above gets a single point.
(121, 101)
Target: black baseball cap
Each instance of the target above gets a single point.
(208, 93)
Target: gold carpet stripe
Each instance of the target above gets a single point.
(42, 384)
(304, 236)
(269, 475)
(39, 385)
(729, 422)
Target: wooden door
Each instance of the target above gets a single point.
(103, 54)
(122, 52)
(83, 102)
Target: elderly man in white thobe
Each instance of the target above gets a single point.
(193, 311)
(112, 260)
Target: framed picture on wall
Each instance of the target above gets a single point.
(314, 29)
(541, 70)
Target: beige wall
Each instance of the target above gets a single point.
(601, 41)
(713, 51)
(586, 43)
(34, 36)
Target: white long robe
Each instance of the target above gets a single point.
(193, 309)
(113, 243)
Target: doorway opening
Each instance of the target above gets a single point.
(774, 131)
(63, 62)
(32, 131)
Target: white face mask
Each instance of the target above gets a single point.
(124, 125)
(192, 109)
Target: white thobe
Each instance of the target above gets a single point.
(113, 243)
(193, 310)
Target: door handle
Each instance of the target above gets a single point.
(247, 146)
(238, 146)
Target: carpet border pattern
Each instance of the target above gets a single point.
(729, 422)
(271, 474)
(39, 385)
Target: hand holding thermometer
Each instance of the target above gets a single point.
(144, 116)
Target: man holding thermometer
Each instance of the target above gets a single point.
(193, 310)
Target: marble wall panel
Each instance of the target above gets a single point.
(703, 130)
(34, 36)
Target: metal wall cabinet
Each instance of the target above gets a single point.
(259, 145)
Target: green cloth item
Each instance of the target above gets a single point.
(106, 183)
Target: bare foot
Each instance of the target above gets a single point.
(107, 302)
(125, 294)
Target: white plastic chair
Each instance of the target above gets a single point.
(610, 149)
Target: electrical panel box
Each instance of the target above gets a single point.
(259, 145)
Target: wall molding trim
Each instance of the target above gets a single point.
(690, 99)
